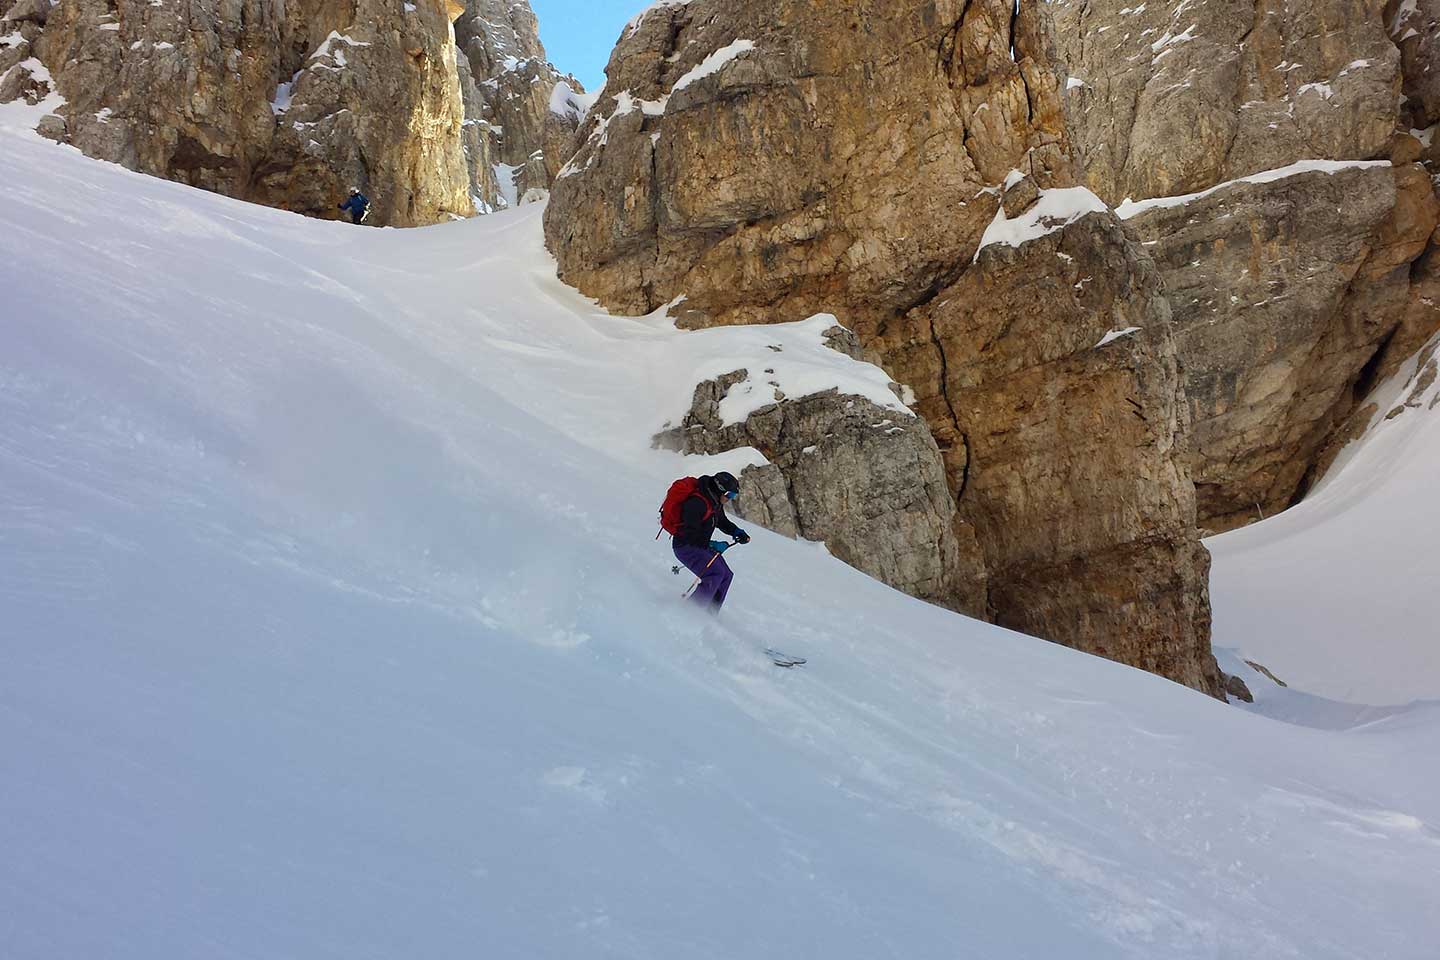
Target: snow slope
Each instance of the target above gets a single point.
(333, 627)
(1340, 596)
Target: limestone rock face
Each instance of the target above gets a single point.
(867, 481)
(1282, 294)
(1292, 294)
(1414, 27)
(477, 143)
(774, 160)
(501, 41)
(1050, 375)
(1169, 97)
(769, 159)
(283, 104)
(22, 77)
(1420, 371)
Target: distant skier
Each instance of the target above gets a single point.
(694, 509)
(358, 206)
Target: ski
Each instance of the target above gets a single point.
(784, 659)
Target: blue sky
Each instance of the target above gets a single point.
(579, 34)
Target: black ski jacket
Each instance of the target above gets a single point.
(696, 529)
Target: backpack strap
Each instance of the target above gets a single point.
(709, 507)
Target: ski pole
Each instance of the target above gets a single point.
(707, 569)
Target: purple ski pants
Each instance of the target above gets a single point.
(714, 577)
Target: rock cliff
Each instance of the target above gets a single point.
(773, 160)
(1292, 292)
(22, 75)
(1271, 252)
(1286, 295)
(1168, 98)
(1050, 374)
(283, 104)
(526, 100)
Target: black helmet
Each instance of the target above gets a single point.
(727, 485)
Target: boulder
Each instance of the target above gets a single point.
(14, 49)
(51, 127)
(21, 83)
(1235, 687)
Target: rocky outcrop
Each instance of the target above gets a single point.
(1160, 99)
(1050, 375)
(288, 105)
(1292, 293)
(1283, 293)
(1414, 28)
(1415, 380)
(22, 76)
(865, 480)
(771, 161)
(486, 193)
(1169, 97)
(530, 127)
(1238, 689)
(777, 160)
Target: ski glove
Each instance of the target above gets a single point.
(741, 536)
(719, 547)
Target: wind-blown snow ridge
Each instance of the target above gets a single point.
(334, 627)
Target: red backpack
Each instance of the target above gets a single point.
(680, 491)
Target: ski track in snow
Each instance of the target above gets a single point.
(334, 627)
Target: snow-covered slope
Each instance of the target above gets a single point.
(332, 625)
(1340, 596)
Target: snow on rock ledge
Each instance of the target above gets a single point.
(776, 362)
(1287, 288)
(1133, 208)
(828, 454)
(1055, 210)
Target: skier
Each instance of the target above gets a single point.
(358, 206)
(693, 511)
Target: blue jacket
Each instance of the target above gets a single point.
(356, 204)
